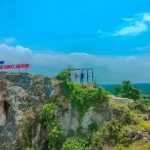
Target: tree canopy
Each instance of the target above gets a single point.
(126, 90)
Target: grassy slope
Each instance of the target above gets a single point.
(142, 126)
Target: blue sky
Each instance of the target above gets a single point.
(111, 36)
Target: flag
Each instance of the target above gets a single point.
(1, 62)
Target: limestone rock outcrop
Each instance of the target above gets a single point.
(3, 87)
(21, 97)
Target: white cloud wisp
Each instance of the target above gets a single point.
(108, 69)
(136, 25)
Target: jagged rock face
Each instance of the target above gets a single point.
(92, 115)
(71, 119)
(3, 87)
(20, 101)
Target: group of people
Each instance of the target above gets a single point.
(76, 76)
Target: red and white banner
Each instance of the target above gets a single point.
(17, 66)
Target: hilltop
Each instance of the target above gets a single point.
(42, 113)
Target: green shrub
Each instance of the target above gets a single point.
(93, 126)
(127, 90)
(28, 148)
(145, 102)
(120, 147)
(75, 143)
(122, 114)
(47, 114)
(111, 132)
(62, 75)
(96, 141)
(126, 117)
(82, 98)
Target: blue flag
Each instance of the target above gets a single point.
(1, 62)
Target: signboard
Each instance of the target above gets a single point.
(1, 62)
(17, 66)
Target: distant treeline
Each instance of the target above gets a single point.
(144, 87)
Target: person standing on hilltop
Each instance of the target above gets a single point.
(81, 77)
(76, 76)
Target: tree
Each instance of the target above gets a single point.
(135, 93)
(117, 90)
(127, 90)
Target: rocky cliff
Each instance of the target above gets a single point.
(21, 97)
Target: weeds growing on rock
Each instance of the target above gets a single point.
(47, 113)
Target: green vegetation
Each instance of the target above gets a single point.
(144, 87)
(138, 145)
(117, 90)
(64, 74)
(28, 148)
(145, 99)
(75, 143)
(26, 128)
(81, 96)
(109, 134)
(93, 126)
(121, 112)
(82, 99)
(47, 114)
(140, 125)
(112, 134)
(126, 90)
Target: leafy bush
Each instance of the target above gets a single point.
(75, 143)
(123, 116)
(111, 132)
(47, 114)
(96, 140)
(83, 98)
(139, 144)
(117, 90)
(121, 112)
(62, 75)
(28, 148)
(120, 147)
(127, 90)
(126, 117)
(93, 126)
(145, 102)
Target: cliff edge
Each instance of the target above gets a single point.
(21, 97)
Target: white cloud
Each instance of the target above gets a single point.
(139, 25)
(135, 29)
(146, 17)
(127, 19)
(109, 69)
